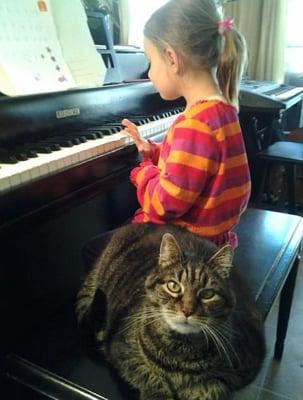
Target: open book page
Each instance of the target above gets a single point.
(79, 51)
(32, 58)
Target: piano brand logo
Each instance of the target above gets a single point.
(69, 112)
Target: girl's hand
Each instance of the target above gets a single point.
(131, 130)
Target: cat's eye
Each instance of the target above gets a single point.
(174, 287)
(207, 294)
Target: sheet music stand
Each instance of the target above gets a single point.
(99, 28)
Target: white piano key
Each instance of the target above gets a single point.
(5, 182)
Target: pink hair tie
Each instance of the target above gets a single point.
(225, 25)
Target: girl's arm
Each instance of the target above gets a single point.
(192, 160)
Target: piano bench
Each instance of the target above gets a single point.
(55, 363)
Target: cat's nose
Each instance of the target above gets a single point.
(187, 311)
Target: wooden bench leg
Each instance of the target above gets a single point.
(265, 168)
(284, 308)
(291, 187)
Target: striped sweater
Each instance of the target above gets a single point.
(198, 177)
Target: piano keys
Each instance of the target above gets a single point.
(267, 96)
(16, 171)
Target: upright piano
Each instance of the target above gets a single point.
(61, 147)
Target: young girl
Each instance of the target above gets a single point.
(198, 177)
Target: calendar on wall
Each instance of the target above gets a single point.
(45, 46)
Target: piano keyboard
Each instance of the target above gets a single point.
(13, 175)
(284, 92)
(287, 94)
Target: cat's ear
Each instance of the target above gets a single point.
(170, 251)
(222, 260)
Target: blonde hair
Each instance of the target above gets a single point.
(191, 27)
(231, 64)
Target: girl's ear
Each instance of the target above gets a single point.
(173, 59)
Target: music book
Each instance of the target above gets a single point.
(46, 46)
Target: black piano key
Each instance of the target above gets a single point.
(61, 141)
(140, 120)
(77, 136)
(18, 152)
(115, 127)
(40, 148)
(74, 140)
(29, 153)
(107, 130)
(21, 155)
(52, 145)
(7, 157)
(93, 134)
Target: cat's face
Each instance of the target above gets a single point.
(190, 295)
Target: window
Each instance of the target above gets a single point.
(294, 44)
(139, 12)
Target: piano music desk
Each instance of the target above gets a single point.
(55, 363)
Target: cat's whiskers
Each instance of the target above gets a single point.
(213, 337)
(201, 321)
(133, 323)
(219, 343)
(150, 314)
(205, 336)
(226, 326)
(225, 340)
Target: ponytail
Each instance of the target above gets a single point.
(231, 64)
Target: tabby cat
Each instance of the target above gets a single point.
(175, 322)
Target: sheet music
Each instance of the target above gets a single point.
(84, 61)
(46, 46)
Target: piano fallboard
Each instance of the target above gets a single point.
(26, 117)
